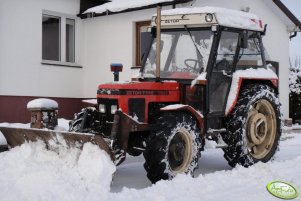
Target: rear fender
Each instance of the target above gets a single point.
(241, 76)
(179, 107)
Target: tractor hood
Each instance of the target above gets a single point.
(134, 98)
(137, 88)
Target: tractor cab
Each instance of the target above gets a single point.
(201, 48)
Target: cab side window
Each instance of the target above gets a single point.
(251, 56)
(220, 80)
(226, 51)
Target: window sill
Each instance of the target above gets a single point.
(60, 63)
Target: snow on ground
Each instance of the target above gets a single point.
(30, 172)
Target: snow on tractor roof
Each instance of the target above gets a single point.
(221, 16)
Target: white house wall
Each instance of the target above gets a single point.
(111, 39)
(100, 41)
(21, 71)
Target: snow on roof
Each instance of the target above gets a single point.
(225, 17)
(121, 5)
(42, 103)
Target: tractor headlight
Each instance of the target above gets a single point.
(209, 17)
(102, 108)
(113, 109)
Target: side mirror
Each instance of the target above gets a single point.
(244, 40)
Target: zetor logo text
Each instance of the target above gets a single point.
(282, 190)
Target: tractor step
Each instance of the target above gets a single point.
(215, 134)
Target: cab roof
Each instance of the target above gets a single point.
(196, 17)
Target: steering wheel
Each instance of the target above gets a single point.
(187, 63)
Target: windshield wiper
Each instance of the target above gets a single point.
(195, 45)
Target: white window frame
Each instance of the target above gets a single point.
(62, 53)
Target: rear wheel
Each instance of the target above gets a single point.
(3, 148)
(173, 147)
(253, 127)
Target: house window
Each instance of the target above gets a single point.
(58, 38)
(142, 40)
(70, 38)
(51, 38)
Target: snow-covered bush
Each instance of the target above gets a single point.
(295, 89)
(295, 75)
(295, 80)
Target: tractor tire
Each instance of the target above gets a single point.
(173, 147)
(84, 121)
(254, 126)
(3, 148)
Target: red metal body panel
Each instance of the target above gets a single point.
(141, 85)
(152, 92)
(198, 115)
(273, 81)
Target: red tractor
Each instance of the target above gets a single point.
(204, 76)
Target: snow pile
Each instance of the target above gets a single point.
(31, 172)
(63, 125)
(225, 17)
(121, 5)
(42, 103)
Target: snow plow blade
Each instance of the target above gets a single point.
(17, 136)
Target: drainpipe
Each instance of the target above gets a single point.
(158, 43)
(293, 35)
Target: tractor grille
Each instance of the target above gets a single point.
(107, 116)
(137, 108)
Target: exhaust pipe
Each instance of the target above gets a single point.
(158, 56)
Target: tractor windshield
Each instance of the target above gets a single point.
(184, 54)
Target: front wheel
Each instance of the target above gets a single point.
(253, 127)
(84, 121)
(173, 147)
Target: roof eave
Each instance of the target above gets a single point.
(173, 3)
(289, 14)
